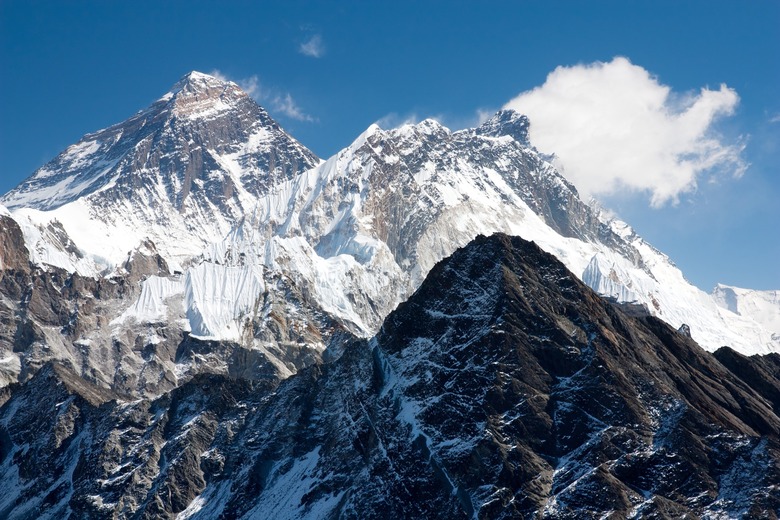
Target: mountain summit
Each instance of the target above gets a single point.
(198, 236)
(188, 166)
(503, 388)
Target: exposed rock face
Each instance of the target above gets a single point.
(198, 234)
(49, 314)
(502, 388)
(13, 252)
(181, 173)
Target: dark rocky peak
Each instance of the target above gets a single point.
(506, 122)
(503, 388)
(594, 404)
(144, 261)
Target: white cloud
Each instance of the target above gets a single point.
(272, 99)
(614, 128)
(483, 114)
(285, 104)
(775, 118)
(313, 47)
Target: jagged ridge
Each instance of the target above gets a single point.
(502, 388)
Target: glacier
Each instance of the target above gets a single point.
(258, 234)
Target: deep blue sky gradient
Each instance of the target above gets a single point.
(69, 68)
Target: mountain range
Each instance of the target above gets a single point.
(199, 317)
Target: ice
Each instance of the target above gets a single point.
(151, 305)
(218, 299)
(327, 228)
(761, 306)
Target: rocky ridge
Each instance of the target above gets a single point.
(198, 232)
(502, 388)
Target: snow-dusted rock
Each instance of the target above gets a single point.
(201, 222)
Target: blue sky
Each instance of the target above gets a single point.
(328, 70)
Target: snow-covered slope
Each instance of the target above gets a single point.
(265, 246)
(181, 172)
(396, 202)
(761, 306)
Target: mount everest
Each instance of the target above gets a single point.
(240, 235)
(199, 318)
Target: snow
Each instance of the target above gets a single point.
(151, 306)
(283, 497)
(761, 306)
(192, 509)
(327, 228)
(218, 299)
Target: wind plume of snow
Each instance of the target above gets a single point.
(275, 101)
(615, 128)
(396, 120)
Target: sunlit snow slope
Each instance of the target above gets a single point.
(181, 172)
(230, 199)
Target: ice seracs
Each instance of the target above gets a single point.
(264, 247)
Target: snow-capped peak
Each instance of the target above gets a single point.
(506, 122)
(200, 95)
(369, 132)
(426, 127)
(180, 173)
(195, 78)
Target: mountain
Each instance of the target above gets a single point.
(106, 283)
(199, 237)
(180, 173)
(502, 388)
(201, 319)
(762, 306)
(398, 201)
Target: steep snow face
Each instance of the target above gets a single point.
(181, 172)
(375, 218)
(662, 288)
(208, 177)
(761, 306)
(396, 202)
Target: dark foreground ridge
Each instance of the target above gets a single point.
(503, 388)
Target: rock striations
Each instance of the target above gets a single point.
(199, 318)
(503, 388)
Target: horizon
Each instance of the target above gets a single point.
(718, 227)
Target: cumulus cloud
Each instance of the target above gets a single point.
(274, 100)
(313, 47)
(613, 128)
